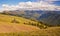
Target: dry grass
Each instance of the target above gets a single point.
(20, 29)
(7, 26)
(8, 18)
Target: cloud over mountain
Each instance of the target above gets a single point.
(41, 5)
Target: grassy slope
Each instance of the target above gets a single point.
(7, 26)
(8, 19)
(24, 30)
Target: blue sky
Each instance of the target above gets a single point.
(57, 3)
(15, 2)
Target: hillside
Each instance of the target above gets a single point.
(23, 28)
(6, 24)
(9, 27)
(51, 18)
(9, 18)
(46, 17)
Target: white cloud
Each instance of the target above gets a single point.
(10, 7)
(42, 5)
(48, 0)
(51, 0)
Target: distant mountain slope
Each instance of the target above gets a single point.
(47, 17)
(51, 18)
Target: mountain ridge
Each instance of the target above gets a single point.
(38, 15)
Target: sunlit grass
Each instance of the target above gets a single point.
(7, 28)
(8, 18)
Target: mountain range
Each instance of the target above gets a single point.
(47, 17)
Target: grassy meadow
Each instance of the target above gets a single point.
(18, 26)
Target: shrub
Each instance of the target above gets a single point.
(14, 21)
